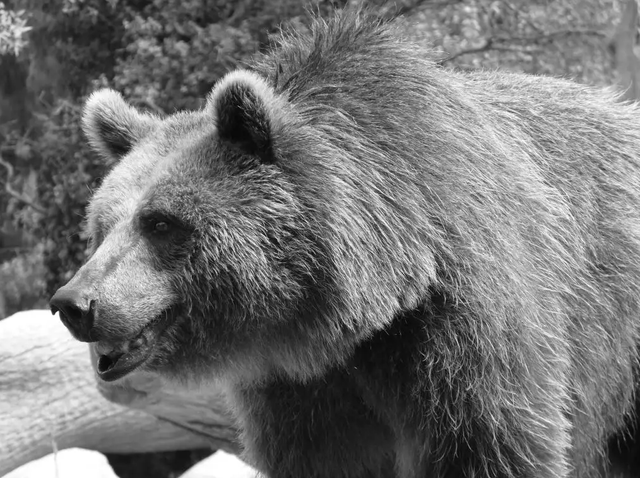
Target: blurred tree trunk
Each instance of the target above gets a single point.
(624, 42)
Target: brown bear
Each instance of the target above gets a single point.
(393, 269)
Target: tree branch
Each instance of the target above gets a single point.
(438, 3)
(489, 45)
(408, 9)
(15, 194)
(393, 10)
(498, 43)
(555, 35)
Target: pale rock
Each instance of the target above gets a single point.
(69, 463)
(221, 465)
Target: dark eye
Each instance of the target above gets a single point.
(161, 226)
(154, 224)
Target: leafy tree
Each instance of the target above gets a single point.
(13, 28)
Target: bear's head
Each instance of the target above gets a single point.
(246, 238)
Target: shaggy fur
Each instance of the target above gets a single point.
(395, 269)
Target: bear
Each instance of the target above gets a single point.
(391, 268)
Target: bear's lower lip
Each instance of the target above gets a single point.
(120, 361)
(117, 364)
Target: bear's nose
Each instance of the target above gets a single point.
(76, 312)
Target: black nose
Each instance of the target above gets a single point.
(76, 312)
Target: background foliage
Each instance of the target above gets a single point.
(165, 55)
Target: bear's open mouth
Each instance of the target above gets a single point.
(116, 362)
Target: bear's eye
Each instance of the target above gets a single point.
(161, 226)
(156, 224)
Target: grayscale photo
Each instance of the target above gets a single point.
(319, 239)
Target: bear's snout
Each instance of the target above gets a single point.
(77, 312)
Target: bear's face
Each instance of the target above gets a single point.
(228, 241)
(200, 248)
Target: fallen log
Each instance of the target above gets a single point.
(49, 400)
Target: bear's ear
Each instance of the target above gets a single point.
(247, 113)
(111, 125)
